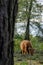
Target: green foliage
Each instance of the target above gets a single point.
(35, 42)
(17, 36)
(17, 45)
(23, 9)
(24, 63)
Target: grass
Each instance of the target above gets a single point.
(35, 43)
(28, 62)
(38, 45)
(21, 63)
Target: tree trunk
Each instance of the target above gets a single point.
(8, 12)
(28, 23)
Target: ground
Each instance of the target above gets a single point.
(20, 59)
(28, 63)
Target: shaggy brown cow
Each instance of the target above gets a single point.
(26, 47)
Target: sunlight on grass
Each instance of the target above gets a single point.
(28, 63)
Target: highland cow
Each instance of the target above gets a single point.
(26, 47)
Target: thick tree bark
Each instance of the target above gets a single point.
(28, 22)
(8, 12)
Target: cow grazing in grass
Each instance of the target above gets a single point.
(26, 47)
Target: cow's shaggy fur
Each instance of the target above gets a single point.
(26, 47)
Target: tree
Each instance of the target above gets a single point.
(28, 10)
(27, 28)
(8, 12)
(34, 8)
